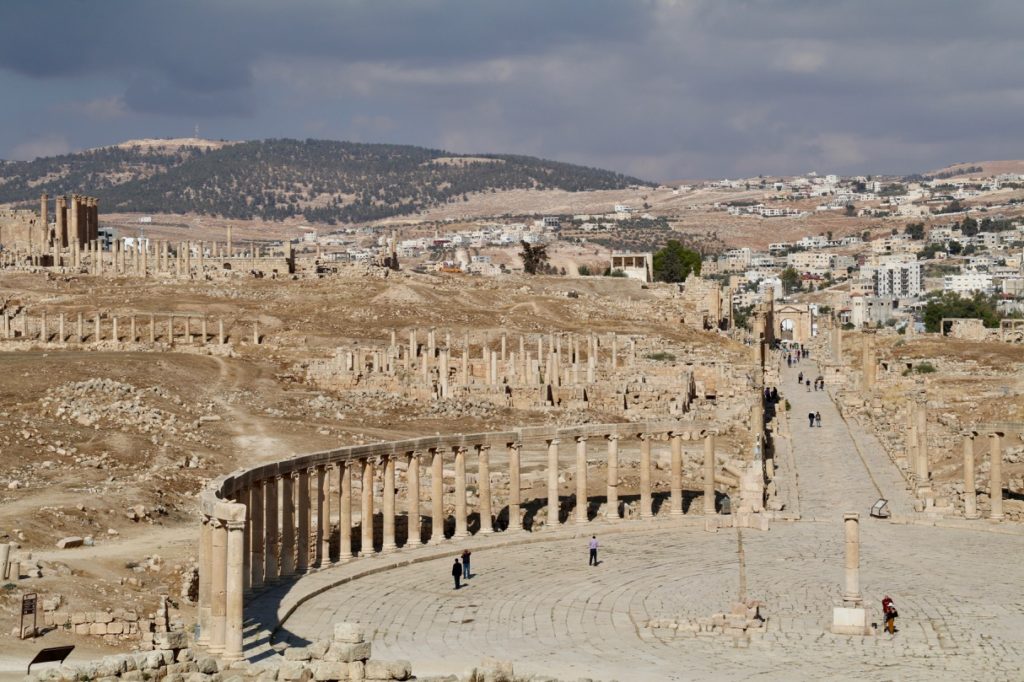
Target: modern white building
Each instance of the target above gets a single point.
(896, 279)
(968, 283)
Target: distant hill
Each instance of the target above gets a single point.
(977, 168)
(317, 180)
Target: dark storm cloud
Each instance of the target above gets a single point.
(660, 88)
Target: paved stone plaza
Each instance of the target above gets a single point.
(540, 605)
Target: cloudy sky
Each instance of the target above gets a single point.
(663, 89)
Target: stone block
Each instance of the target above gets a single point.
(318, 648)
(330, 671)
(402, 670)
(170, 640)
(104, 617)
(115, 628)
(356, 670)
(98, 629)
(297, 653)
(69, 542)
(208, 665)
(77, 618)
(294, 670)
(850, 621)
(347, 652)
(349, 632)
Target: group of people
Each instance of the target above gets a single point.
(795, 355)
(819, 382)
(814, 419)
(461, 570)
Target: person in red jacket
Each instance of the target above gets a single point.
(889, 610)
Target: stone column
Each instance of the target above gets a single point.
(97, 336)
(515, 522)
(234, 611)
(302, 523)
(970, 485)
(995, 476)
(389, 544)
(131, 329)
(676, 485)
(270, 526)
(60, 328)
(321, 549)
(81, 328)
(581, 480)
(436, 497)
(366, 546)
(218, 586)
(461, 522)
(645, 476)
(205, 576)
(921, 466)
(412, 484)
(484, 488)
(257, 538)
(552, 483)
(344, 511)
(869, 360)
(611, 511)
(287, 525)
(220, 331)
(709, 474)
(851, 528)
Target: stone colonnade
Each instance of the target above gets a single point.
(168, 328)
(995, 475)
(275, 521)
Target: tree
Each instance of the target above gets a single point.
(914, 230)
(674, 263)
(851, 210)
(534, 257)
(951, 304)
(790, 280)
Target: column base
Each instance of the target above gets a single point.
(389, 548)
(486, 531)
(514, 529)
(676, 512)
(231, 658)
(972, 517)
(996, 517)
(363, 555)
(646, 517)
(461, 535)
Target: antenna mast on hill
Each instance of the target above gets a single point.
(197, 131)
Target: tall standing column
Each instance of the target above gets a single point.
(869, 361)
(218, 586)
(995, 476)
(646, 511)
(552, 484)
(302, 523)
(344, 511)
(436, 496)
(612, 504)
(676, 484)
(323, 528)
(581, 480)
(515, 522)
(414, 535)
(921, 468)
(709, 474)
(234, 589)
(257, 538)
(484, 486)
(851, 528)
(205, 576)
(970, 486)
(270, 528)
(287, 525)
(389, 544)
(461, 522)
(366, 517)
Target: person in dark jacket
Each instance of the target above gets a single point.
(465, 564)
(810, 419)
(457, 573)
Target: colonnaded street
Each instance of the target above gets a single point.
(956, 585)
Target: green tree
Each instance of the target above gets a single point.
(914, 230)
(790, 280)
(534, 257)
(951, 304)
(674, 263)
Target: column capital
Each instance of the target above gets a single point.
(514, 445)
(552, 441)
(645, 436)
(581, 439)
(482, 446)
(612, 436)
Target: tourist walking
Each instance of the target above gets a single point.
(457, 573)
(800, 378)
(593, 550)
(465, 564)
(889, 610)
(810, 419)
(817, 421)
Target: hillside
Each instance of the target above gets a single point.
(317, 180)
(978, 169)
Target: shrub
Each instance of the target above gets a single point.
(661, 355)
